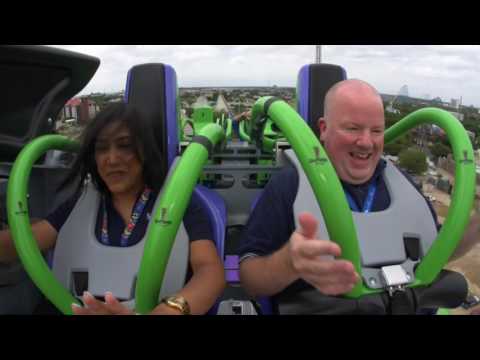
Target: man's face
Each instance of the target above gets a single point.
(117, 161)
(353, 136)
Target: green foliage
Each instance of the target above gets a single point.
(472, 124)
(439, 150)
(400, 144)
(413, 160)
(393, 148)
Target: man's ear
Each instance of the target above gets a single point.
(322, 126)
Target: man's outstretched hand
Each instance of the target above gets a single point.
(314, 259)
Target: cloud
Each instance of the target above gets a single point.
(448, 71)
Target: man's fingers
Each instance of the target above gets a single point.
(332, 270)
(311, 249)
(308, 225)
(334, 290)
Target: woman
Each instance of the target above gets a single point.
(120, 156)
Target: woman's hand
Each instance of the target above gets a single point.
(111, 306)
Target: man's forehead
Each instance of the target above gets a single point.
(354, 97)
(357, 109)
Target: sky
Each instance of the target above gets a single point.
(429, 71)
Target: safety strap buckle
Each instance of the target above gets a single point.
(395, 278)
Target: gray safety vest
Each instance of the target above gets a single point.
(380, 234)
(109, 268)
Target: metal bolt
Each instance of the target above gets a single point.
(372, 281)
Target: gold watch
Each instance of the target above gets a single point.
(177, 302)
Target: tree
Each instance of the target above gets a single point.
(413, 160)
(393, 148)
(439, 150)
(400, 144)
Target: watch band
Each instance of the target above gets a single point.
(177, 302)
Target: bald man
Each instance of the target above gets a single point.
(281, 260)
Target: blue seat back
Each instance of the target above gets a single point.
(313, 83)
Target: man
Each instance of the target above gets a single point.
(281, 260)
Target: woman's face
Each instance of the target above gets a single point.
(117, 161)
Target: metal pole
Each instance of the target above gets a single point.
(318, 59)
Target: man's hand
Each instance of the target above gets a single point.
(313, 260)
(111, 306)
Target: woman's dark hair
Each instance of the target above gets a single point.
(147, 148)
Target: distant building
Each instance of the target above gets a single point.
(455, 103)
(80, 109)
(403, 91)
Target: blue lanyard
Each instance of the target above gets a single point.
(367, 204)
(137, 212)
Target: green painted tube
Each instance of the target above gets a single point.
(243, 134)
(19, 220)
(270, 137)
(161, 234)
(463, 192)
(183, 123)
(443, 311)
(323, 178)
(228, 131)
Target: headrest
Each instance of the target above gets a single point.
(152, 88)
(313, 83)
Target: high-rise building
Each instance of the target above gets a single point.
(403, 91)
